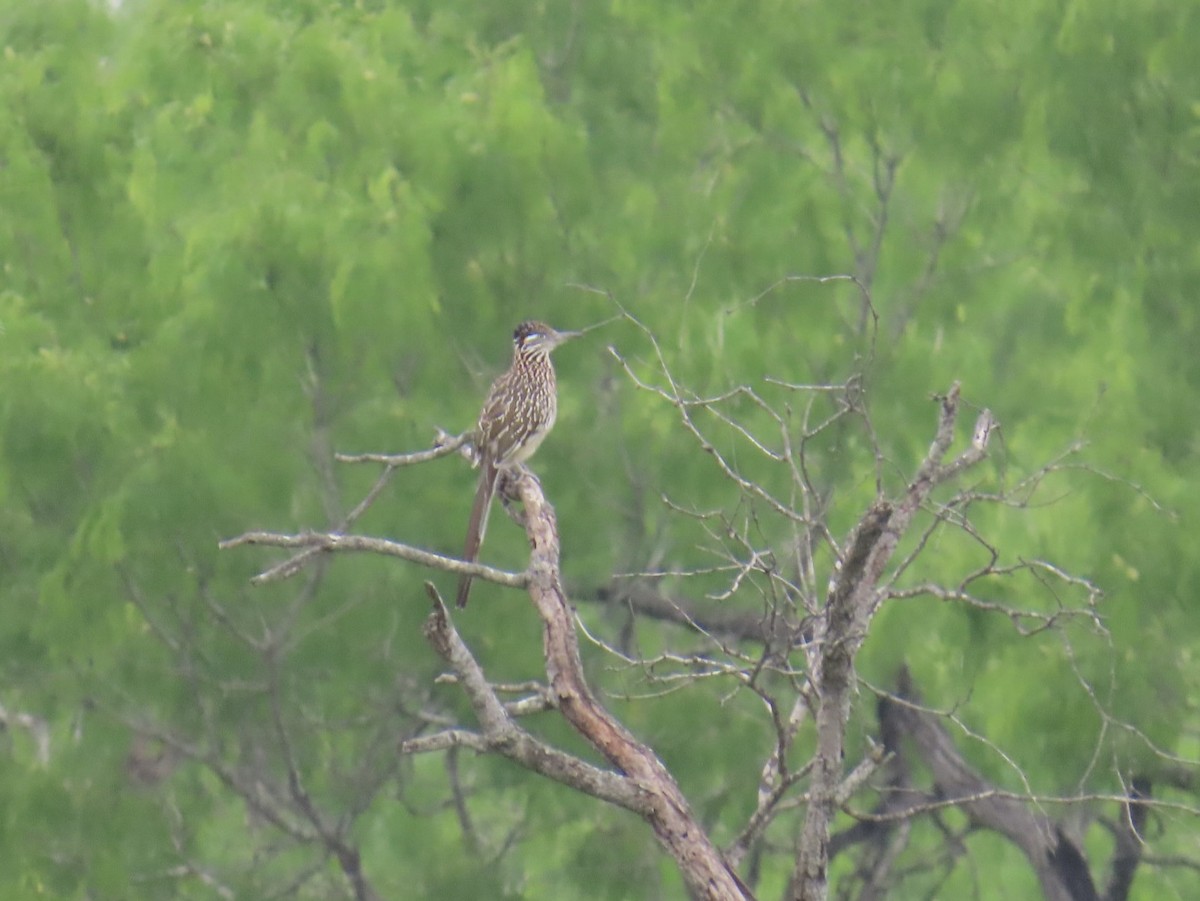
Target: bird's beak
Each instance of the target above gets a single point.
(563, 337)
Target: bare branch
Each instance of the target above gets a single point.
(331, 541)
(645, 600)
(444, 447)
(660, 802)
(854, 596)
(1058, 861)
(445, 741)
(500, 734)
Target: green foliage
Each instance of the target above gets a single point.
(238, 236)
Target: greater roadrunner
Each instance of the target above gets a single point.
(518, 413)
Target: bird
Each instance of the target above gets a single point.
(517, 414)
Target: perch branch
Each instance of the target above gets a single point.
(659, 799)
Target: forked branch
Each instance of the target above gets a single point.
(638, 781)
(854, 597)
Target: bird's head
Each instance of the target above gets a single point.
(534, 337)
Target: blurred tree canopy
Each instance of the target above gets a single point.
(239, 237)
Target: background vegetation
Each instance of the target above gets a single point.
(237, 237)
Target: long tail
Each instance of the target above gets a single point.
(478, 524)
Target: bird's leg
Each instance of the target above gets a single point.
(473, 454)
(506, 490)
